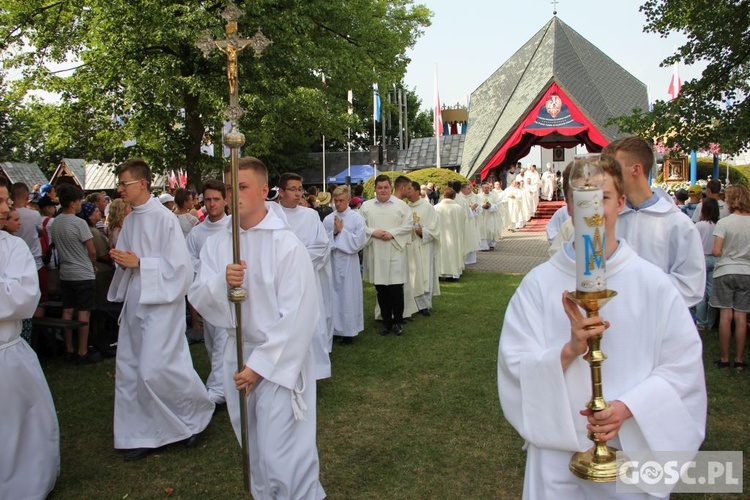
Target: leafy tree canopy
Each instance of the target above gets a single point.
(713, 109)
(140, 76)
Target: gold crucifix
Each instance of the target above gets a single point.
(232, 46)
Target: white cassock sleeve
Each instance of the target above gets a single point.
(165, 277)
(318, 246)
(669, 406)
(531, 382)
(192, 245)
(19, 282)
(688, 269)
(352, 237)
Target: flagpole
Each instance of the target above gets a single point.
(324, 162)
(350, 99)
(437, 119)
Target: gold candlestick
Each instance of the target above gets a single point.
(598, 463)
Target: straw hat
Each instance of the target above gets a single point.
(324, 198)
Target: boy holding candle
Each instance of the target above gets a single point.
(653, 377)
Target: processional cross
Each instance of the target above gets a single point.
(234, 140)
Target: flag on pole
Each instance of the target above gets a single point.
(675, 84)
(350, 100)
(183, 179)
(375, 103)
(323, 79)
(437, 119)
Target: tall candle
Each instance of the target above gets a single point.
(586, 179)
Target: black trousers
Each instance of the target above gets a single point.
(391, 302)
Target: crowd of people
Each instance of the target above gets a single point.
(304, 256)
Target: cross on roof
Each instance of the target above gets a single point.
(554, 7)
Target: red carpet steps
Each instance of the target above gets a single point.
(544, 212)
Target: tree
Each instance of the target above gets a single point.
(713, 109)
(140, 76)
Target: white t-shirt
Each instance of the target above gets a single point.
(735, 250)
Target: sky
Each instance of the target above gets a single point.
(470, 39)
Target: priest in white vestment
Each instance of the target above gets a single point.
(29, 433)
(651, 222)
(451, 219)
(306, 224)
(548, 183)
(514, 197)
(389, 229)
(159, 398)
(426, 238)
(215, 339)
(489, 218)
(279, 320)
(532, 182)
(346, 232)
(653, 377)
(466, 197)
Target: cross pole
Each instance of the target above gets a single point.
(234, 139)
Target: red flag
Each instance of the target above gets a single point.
(675, 84)
(183, 179)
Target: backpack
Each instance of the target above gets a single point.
(48, 248)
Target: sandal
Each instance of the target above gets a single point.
(721, 364)
(739, 366)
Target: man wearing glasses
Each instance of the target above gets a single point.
(306, 225)
(159, 398)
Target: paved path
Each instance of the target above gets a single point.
(515, 253)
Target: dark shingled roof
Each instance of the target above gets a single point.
(28, 173)
(597, 85)
(421, 153)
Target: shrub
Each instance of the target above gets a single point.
(440, 176)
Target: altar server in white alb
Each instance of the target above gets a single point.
(653, 376)
(451, 219)
(651, 222)
(346, 232)
(426, 237)
(306, 224)
(489, 218)
(466, 197)
(29, 434)
(279, 319)
(159, 398)
(216, 221)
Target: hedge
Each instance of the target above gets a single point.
(440, 176)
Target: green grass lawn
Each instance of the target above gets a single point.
(402, 417)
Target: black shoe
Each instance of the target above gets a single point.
(398, 329)
(385, 331)
(424, 312)
(137, 454)
(192, 441)
(71, 357)
(90, 358)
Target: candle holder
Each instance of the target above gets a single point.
(598, 463)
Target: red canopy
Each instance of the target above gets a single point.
(556, 114)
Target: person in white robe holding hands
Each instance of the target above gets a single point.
(346, 232)
(159, 398)
(653, 377)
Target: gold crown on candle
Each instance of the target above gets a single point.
(595, 220)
